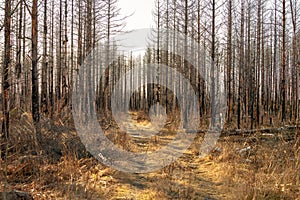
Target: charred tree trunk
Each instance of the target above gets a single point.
(44, 93)
(5, 78)
(283, 64)
(35, 81)
(241, 65)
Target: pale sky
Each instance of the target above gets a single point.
(142, 13)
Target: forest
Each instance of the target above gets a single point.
(217, 83)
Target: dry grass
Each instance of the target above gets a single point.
(270, 169)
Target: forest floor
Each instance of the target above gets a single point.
(256, 166)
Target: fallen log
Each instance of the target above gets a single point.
(240, 132)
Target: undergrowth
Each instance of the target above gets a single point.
(253, 167)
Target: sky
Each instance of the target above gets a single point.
(142, 13)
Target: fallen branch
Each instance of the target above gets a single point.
(240, 132)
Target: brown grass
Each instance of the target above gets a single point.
(269, 170)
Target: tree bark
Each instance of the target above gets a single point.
(44, 93)
(35, 81)
(5, 78)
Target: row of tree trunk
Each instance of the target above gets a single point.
(253, 48)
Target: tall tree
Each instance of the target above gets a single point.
(213, 63)
(241, 64)
(58, 85)
(88, 49)
(283, 64)
(44, 93)
(258, 60)
(35, 79)
(294, 14)
(229, 60)
(51, 63)
(5, 75)
(18, 69)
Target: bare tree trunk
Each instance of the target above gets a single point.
(19, 53)
(25, 86)
(294, 60)
(241, 63)
(88, 50)
(72, 57)
(283, 64)
(59, 61)
(258, 63)
(263, 70)
(35, 81)
(51, 68)
(5, 77)
(65, 66)
(229, 62)
(250, 69)
(44, 93)
(275, 98)
(79, 40)
(213, 63)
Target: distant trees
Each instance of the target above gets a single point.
(253, 45)
(258, 53)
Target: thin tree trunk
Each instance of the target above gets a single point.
(258, 63)
(283, 64)
(19, 53)
(59, 61)
(35, 81)
(51, 68)
(229, 62)
(5, 77)
(213, 63)
(241, 63)
(44, 93)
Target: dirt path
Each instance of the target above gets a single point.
(187, 178)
